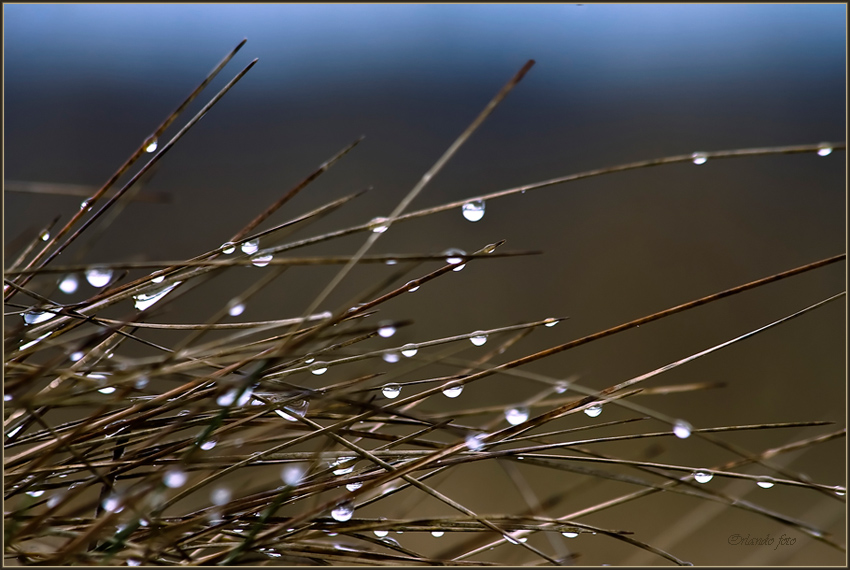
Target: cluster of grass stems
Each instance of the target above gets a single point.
(134, 472)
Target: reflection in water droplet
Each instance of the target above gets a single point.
(391, 391)
(453, 257)
(152, 144)
(354, 486)
(682, 429)
(473, 211)
(44, 236)
(593, 410)
(409, 350)
(392, 357)
(145, 300)
(174, 478)
(77, 356)
(479, 339)
(98, 276)
(36, 494)
(699, 158)
(319, 368)
(378, 225)
(516, 416)
(251, 246)
(475, 441)
(437, 533)
(208, 444)
(292, 474)
(391, 262)
(381, 533)
(551, 322)
(35, 317)
(236, 308)
(386, 329)
(412, 289)
(571, 533)
(107, 390)
(453, 391)
(228, 247)
(69, 284)
(262, 260)
(343, 470)
(765, 482)
(343, 512)
(112, 504)
(229, 397)
(7, 397)
(561, 386)
(824, 149)
(703, 476)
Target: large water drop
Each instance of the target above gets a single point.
(473, 211)
(98, 276)
(343, 512)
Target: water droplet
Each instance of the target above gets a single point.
(98, 276)
(824, 149)
(12, 432)
(262, 260)
(69, 284)
(516, 416)
(478, 339)
(37, 493)
(703, 476)
(251, 246)
(309, 360)
(133, 561)
(391, 391)
(236, 308)
(75, 356)
(44, 235)
(7, 397)
(107, 390)
(571, 533)
(229, 397)
(437, 533)
(319, 368)
(840, 491)
(294, 408)
(35, 317)
(386, 329)
(85, 205)
(453, 391)
(378, 225)
(152, 144)
(551, 322)
(413, 288)
(392, 357)
(409, 350)
(381, 533)
(292, 475)
(174, 478)
(54, 500)
(594, 410)
(220, 496)
(112, 504)
(145, 300)
(343, 512)
(699, 158)
(228, 247)
(561, 386)
(354, 486)
(475, 441)
(473, 211)
(682, 429)
(343, 470)
(391, 262)
(765, 482)
(141, 382)
(452, 257)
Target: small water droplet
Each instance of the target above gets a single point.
(112, 504)
(437, 533)
(343, 512)
(220, 496)
(292, 409)
(682, 429)
(392, 357)
(144, 300)
(319, 368)
(765, 482)
(133, 561)
(594, 410)
(228, 247)
(475, 441)
(84, 205)
(236, 308)
(251, 246)
(386, 329)
(98, 276)
(174, 478)
(262, 260)
(7, 397)
(378, 225)
(452, 257)
(699, 158)
(478, 338)
(343, 470)
(141, 382)
(824, 149)
(391, 262)
(473, 211)
(292, 474)
(44, 235)
(551, 322)
(413, 288)
(453, 391)
(354, 486)
(36, 493)
(75, 356)
(35, 317)
(409, 350)
(703, 476)
(391, 391)
(69, 284)
(381, 533)
(561, 386)
(152, 144)
(840, 491)
(571, 533)
(107, 390)
(309, 361)
(516, 416)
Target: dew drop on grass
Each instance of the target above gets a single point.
(561, 386)
(391, 391)
(453, 257)
(824, 149)
(228, 247)
(409, 350)
(343, 512)
(386, 329)
(354, 486)
(765, 482)
(69, 284)
(106, 390)
(682, 429)
(144, 300)
(594, 410)
(220, 496)
(391, 357)
(516, 416)
(412, 289)
(292, 409)
(98, 276)
(391, 262)
(236, 308)
(343, 470)
(112, 504)
(174, 478)
(571, 533)
(44, 235)
(251, 246)
(453, 391)
(152, 144)
(36, 493)
(378, 225)
(75, 356)
(381, 533)
(319, 368)
(7, 397)
(478, 339)
(699, 158)
(262, 260)
(473, 211)
(208, 444)
(437, 533)
(35, 317)
(551, 322)
(475, 441)
(292, 474)
(703, 476)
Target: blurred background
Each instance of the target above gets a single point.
(84, 85)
